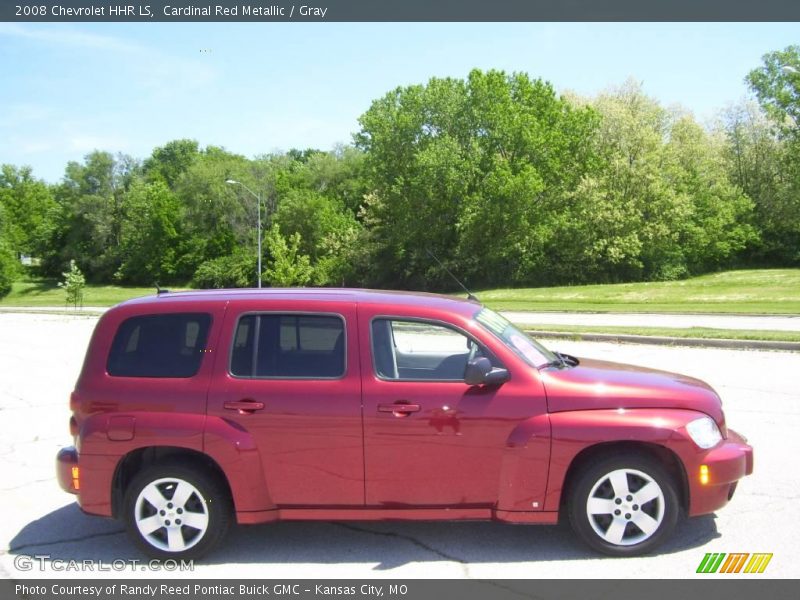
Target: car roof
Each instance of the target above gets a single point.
(359, 296)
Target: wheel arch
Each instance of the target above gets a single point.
(134, 461)
(663, 455)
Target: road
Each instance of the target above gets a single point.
(40, 356)
(765, 322)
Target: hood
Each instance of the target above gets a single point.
(597, 384)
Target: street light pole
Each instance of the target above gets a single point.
(258, 203)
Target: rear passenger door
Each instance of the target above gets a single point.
(290, 377)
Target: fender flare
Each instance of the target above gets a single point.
(232, 449)
(574, 432)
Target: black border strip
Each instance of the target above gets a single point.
(745, 587)
(398, 10)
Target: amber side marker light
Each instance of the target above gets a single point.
(704, 474)
(76, 478)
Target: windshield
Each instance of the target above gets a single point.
(531, 351)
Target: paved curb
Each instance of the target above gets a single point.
(669, 341)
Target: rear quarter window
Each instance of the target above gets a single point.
(164, 345)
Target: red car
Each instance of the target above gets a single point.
(197, 409)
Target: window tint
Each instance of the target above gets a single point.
(414, 350)
(303, 346)
(167, 345)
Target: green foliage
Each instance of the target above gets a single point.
(27, 203)
(8, 269)
(73, 284)
(718, 225)
(149, 235)
(765, 161)
(171, 161)
(8, 260)
(327, 234)
(507, 182)
(216, 218)
(87, 222)
(287, 266)
(234, 271)
(777, 86)
(472, 170)
(662, 207)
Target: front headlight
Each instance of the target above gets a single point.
(704, 432)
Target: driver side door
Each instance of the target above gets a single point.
(429, 438)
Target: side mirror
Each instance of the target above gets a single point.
(479, 371)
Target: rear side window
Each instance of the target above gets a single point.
(289, 346)
(165, 345)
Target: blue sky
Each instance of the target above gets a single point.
(68, 89)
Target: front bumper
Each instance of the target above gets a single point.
(67, 469)
(726, 464)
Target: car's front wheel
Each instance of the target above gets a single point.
(175, 511)
(624, 506)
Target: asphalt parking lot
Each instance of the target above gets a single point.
(41, 354)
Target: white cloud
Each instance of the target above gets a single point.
(67, 36)
(89, 142)
(35, 146)
(154, 70)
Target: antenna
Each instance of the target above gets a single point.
(160, 290)
(470, 295)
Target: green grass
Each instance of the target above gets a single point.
(690, 332)
(47, 293)
(762, 291)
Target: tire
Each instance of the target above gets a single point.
(166, 527)
(624, 506)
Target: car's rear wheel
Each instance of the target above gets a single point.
(624, 506)
(174, 511)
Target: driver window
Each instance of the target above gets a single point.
(418, 350)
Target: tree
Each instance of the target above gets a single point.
(171, 161)
(73, 284)
(88, 220)
(287, 266)
(472, 170)
(718, 226)
(338, 175)
(777, 86)
(327, 233)
(234, 271)
(28, 204)
(216, 218)
(661, 207)
(150, 235)
(8, 261)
